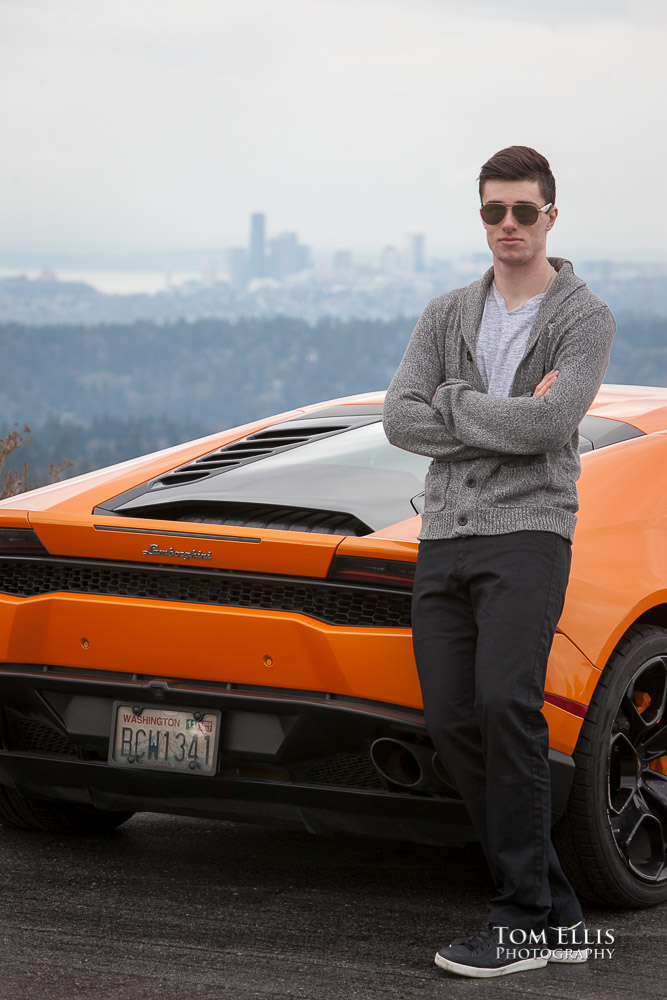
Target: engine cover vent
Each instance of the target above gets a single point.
(274, 516)
(262, 444)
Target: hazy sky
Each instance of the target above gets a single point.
(144, 125)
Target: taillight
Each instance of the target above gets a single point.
(384, 572)
(575, 707)
(20, 542)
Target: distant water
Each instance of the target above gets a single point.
(112, 282)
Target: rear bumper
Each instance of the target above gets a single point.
(286, 757)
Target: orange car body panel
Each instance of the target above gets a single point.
(194, 641)
(254, 550)
(618, 573)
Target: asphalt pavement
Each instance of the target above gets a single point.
(167, 908)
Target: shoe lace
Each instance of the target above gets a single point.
(482, 939)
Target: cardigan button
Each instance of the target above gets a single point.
(471, 481)
(468, 355)
(462, 519)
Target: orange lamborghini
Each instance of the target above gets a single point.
(223, 629)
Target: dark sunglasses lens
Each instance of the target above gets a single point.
(525, 215)
(493, 214)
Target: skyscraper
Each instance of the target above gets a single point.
(257, 245)
(288, 256)
(417, 253)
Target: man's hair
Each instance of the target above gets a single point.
(519, 163)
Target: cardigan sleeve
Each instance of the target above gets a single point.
(410, 420)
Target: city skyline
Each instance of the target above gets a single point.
(276, 256)
(267, 255)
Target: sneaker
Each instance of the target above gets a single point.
(566, 943)
(482, 956)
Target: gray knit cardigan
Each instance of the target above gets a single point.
(500, 464)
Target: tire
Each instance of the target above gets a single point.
(55, 817)
(611, 839)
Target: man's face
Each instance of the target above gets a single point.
(510, 242)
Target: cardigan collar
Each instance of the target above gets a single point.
(566, 284)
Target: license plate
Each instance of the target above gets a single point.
(165, 739)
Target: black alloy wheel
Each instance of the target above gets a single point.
(612, 840)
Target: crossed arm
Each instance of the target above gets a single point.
(451, 421)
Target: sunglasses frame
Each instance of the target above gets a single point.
(510, 208)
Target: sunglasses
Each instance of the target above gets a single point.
(525, 214)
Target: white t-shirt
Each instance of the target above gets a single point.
(502, 339)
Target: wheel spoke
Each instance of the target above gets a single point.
(646, 697)
(627, 819)
(640, 837)
(655, 790)
(655, 744)
(624, 769)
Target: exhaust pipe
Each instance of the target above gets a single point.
(440, 771)
(407, 765)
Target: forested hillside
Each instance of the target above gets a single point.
(214, 371)
(100, 394)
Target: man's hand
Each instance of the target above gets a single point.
(546, 383)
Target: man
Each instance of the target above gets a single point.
(493, 385)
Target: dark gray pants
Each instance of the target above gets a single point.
(485, 609)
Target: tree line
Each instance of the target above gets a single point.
(101, 394)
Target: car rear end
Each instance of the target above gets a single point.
(154, 658)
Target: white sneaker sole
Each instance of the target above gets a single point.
(569, 956)
(523, 965)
